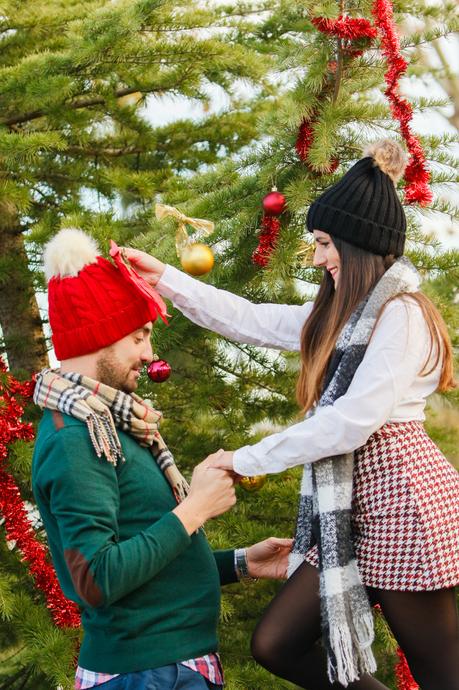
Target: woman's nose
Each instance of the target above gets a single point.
(319, 258)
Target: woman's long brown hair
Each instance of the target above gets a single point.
(359, 272)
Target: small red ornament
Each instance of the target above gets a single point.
(159, 370)
(274, 203)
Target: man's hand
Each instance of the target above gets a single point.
(150, 268)
(269, 558)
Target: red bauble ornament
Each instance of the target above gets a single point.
(159, 370)
(274, 203)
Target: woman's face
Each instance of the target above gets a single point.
(326, 254)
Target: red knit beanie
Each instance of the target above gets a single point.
(93, 302)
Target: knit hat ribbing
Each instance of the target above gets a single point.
(363, 207)
(92, 303)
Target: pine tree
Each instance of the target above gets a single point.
(73, 135)
(79, 137)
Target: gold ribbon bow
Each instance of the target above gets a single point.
(182, 239)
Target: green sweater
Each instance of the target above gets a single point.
(149, 593)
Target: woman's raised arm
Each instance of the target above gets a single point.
(268, 325)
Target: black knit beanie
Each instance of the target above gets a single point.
(363, 207)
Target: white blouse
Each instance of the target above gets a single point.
(386, 386)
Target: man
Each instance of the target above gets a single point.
(123, 528)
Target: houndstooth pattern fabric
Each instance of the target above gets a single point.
(324, 513)
(405, 512)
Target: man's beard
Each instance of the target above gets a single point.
(111, 372)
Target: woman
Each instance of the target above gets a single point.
(379, 516)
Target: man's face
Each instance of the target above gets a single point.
(119, 365)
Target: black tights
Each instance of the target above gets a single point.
(425, 625)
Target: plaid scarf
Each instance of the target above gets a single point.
(103, 409)
(324, 515)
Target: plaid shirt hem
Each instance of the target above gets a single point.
(208, 666)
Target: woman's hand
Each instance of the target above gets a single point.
(269, 558)
(223, 460)
(147, 266)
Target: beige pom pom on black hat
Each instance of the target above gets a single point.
(363, 208)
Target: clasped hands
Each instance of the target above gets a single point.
(268, 558)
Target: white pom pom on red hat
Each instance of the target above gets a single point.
(68, 252)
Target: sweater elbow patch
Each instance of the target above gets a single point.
(83, 580)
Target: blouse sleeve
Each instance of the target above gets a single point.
(268, 325)
(395, 356)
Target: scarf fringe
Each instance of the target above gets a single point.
(348, 667)
(104, 439)
(180, 486)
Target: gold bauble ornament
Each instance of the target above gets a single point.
(197, 259)
(253, 483)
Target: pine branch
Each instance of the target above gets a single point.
(83, 102)
(243, 376)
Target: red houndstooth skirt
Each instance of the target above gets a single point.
(405, 512)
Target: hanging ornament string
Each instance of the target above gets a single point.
(18, 527)
(417, 175)
(196, 258)
(182, 239)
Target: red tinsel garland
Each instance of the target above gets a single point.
(405, 680)
(304, 139)
(270, 228)
(417, 175)
(17, 524)
(348, 28)
(304, 142)
(403, 677)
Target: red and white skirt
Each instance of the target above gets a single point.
(405, 512)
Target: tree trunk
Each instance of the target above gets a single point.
(23, 338)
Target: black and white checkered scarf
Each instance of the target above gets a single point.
(325, 503)
(103, 409)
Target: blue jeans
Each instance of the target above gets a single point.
(171, 677)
